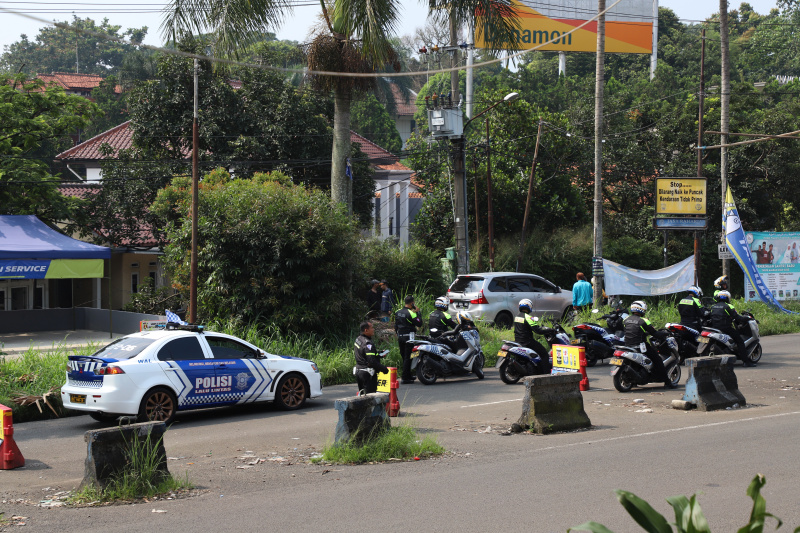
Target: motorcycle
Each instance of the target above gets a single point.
(598, 342)
(714, 342)
(687, 336)
(632, 367)
(515, 362)
(447, 355)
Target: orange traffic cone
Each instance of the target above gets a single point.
(10, 456)
(584, 384)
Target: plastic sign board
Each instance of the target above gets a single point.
(385, 380)
(50, 268)
(629, 27)
(566, 358)
(777, 258)
(145, 325)
(681, 196)
(723, 252)
(680, 223)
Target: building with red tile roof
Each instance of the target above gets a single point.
(80, 84)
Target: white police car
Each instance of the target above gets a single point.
(154, 374)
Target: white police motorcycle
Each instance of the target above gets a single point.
(632, 367)
(454, 353)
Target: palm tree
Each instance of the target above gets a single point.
(358, 42)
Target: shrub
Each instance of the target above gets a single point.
(405, 268)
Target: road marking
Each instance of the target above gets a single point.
(491, 403)
(673, 430)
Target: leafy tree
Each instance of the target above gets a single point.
(55, 48)
(370, 120)
(111, 103)
(34, 121)
(268, 252)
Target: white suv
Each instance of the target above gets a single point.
(494, 296)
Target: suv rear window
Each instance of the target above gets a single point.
(467, 284)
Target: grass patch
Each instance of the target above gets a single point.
(401, 442)
(140, 478)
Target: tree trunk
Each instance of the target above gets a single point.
(341, 185)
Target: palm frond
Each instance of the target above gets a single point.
(500, 20)
(372, 22)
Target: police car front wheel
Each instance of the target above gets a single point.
(292, 392)
(158, 405)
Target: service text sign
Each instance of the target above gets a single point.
(681, 196)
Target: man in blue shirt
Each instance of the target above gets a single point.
(582, 293)
(387, 299)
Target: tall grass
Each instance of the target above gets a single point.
(400, 442)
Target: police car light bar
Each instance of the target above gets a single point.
(187, 327)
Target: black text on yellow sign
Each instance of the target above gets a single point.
(681, 196)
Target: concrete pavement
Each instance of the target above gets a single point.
(18, 343)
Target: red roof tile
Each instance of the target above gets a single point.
(117, 138)
(74, 82)
(404, 108)
(378, 157)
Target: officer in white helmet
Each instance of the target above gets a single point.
(525, 326)
(637, 330)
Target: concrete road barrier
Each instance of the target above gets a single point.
(553, 403)
(712, 384)
(361, 417)
(109, 450)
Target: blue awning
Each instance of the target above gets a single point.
(27, 237)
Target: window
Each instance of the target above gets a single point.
(2, 299)
(224, 348)
(19, 298)
(182, 349)
(519, 285)
(467, 284)
(124, 348)
(541, 285)
(498, 285)
(134, 282)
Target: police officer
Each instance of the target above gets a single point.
(723, 315)
(525, 326)
(440, 320)
(691, 309)
(406, 322)
(368, 363)
(637, 329)
(720, 284)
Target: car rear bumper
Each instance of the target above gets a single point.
(113, 397)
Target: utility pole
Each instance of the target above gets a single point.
(598, 143)
(528, 201)
(459, 161)
(701, 102)
(477, 218)
(490, 208)
(195, 201)
(724, 110)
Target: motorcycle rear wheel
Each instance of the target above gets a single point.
(591, 359)
(674, 376)
(621, 383)
(508, 375)
(426, 374)
(477, 366)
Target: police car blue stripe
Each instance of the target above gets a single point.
(259, 379)
(267, 378)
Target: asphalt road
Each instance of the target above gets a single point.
(488, 480)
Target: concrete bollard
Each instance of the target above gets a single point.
(361, 417)
(109, 450)
(553, 403)
(712, 384)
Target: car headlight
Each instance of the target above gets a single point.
(314, 367)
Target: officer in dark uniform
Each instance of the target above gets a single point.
(440, 320)
(525, 326)
(637, 329)
(723, 315)
(691, 309)
(368, 363)
(406, 322)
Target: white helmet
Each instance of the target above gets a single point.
(463, 317)
(697, 291)
(724, 295)
(441, 302)
(719, 281)
(639, 307)
(523, 304)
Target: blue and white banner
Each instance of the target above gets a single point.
(777, 257)
(738, 246)
(620, 280)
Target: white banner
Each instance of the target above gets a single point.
(620, 280)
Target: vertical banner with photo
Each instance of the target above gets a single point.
(737, 242)
(777, 257)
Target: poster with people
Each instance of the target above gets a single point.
(777, 257)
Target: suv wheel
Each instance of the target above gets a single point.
(504, 320)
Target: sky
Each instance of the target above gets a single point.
(134, 15)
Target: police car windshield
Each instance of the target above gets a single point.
(124, 348)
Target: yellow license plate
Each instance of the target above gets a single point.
(77, 398)
(615, 361)
(414, 354)
(702, 340)
(575, 341)
(501, 353)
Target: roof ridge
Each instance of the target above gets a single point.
(85, 143)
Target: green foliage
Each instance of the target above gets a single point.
(370, 119)
(153, 301)
(689, 518)
(113, 107)
(35, 123)
(405, 268)
(55, 49)
(400, 442)
(269, 253)
(140, 477)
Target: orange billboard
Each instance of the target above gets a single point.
(629, 26)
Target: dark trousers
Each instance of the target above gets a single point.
(367, 383)
(742, 351)
(405, 353)
(659, 371)
(544, 353)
